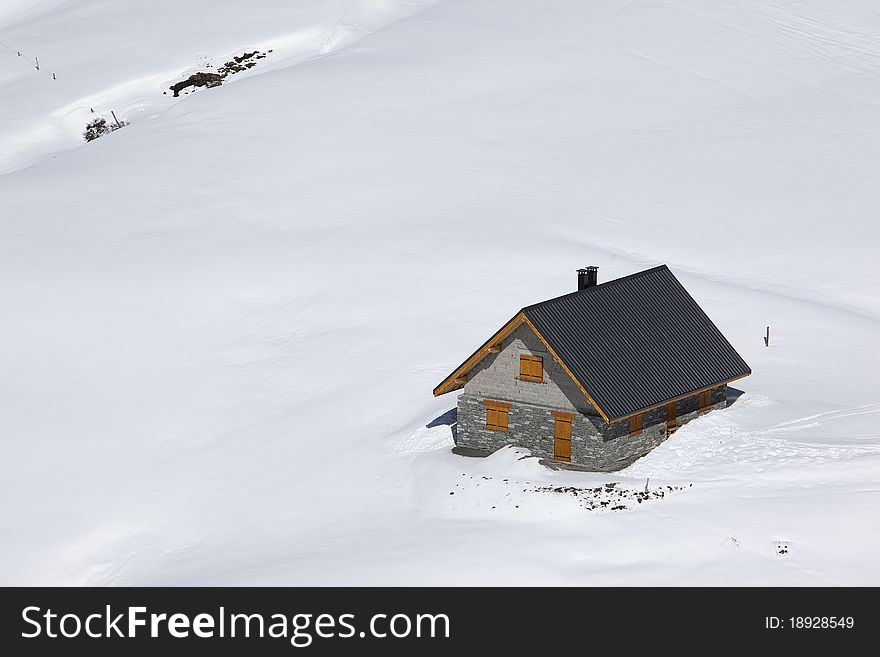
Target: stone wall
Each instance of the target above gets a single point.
(595, 445)
(528, 426)
(686, 410)
(496, 377)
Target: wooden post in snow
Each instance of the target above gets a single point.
(118, 124)
(767, 338)
(646, 484)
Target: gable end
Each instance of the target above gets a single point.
(459, 377)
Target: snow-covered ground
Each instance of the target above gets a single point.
(221, 325)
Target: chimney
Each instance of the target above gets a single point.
(587, 277)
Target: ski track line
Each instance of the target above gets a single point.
(866, 409)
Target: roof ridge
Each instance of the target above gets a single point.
(630, 349)
(595, 287)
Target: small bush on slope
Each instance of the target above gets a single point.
(99, 127)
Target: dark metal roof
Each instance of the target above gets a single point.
(636, 342)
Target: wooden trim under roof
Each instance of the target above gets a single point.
(680, 397)
(451, 382)
(637, 341)
(458, 378)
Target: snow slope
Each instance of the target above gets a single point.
(222, 324)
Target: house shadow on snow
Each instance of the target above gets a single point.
(450, 419)
(733, 394)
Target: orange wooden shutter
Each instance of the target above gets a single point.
(562, 429)
(496, 415)
(562, 440)
(705, 399)
(562, 450)
(562, 435)
(636, 424)
(671, 414)
(531, 368)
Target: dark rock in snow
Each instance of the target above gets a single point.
(199, 79)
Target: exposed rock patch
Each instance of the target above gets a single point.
(242, 62)
(235, 65)
(200, 79)
(609, 496)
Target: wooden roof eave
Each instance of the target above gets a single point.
(457, 379)
(452, 382)
(679, 397)
(449, 384)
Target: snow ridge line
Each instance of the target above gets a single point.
(309, 45)
(783, 292)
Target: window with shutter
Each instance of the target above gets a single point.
(496, 415)
(705, 400)
(562, 435)
(671, 416)
(531, 368)
(636, 424)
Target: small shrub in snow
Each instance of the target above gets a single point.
(99, 127)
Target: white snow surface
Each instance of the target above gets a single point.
(221, 325)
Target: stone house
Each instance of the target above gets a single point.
(596, 378)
